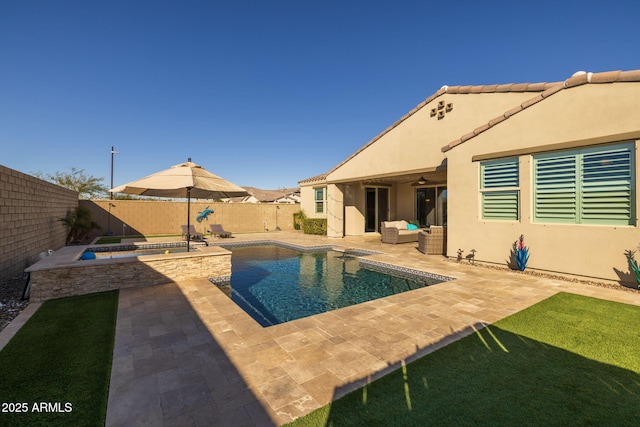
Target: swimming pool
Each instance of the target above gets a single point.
(276, 284)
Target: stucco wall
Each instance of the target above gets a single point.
(580, 116)
(29, 213)
(153, 217)
(413, 145)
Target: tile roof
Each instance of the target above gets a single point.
(317, 178)
(543, 89)
(548, 89)
(510, 87)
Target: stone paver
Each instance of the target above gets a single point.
(185, 354)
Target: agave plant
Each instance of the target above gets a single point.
(633, 264)
(521, 254)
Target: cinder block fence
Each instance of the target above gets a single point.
(29, 213)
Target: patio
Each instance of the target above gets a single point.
(186, 355)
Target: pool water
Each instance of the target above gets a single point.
(275, 284)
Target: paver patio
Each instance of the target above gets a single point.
(185, 354)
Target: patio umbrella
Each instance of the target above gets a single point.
(184, 180)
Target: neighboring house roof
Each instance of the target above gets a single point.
(496, 88)
(578, 79)
(257, 195)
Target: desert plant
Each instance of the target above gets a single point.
(633, 264)
(79, 223)
(520, 253)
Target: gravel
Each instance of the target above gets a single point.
(585, 281)
(11, 303)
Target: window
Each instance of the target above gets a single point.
(499, 189)
(588, 186)
(320, 196)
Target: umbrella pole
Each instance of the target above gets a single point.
(188, 218)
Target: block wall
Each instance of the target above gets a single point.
(29, 212)
(158, 217)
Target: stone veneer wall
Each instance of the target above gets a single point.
(97, 276)
(157, 217)
(29, 212)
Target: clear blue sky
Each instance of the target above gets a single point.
(266, 93)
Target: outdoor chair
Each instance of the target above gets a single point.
(191, 231)
(217, 230)
(398, 232)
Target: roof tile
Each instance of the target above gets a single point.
(546, 90)
(530, 102)
(489, 88)
(497, 120)
(608, 77)
(537, 86)
(451, 145)
(317, 178)
(511, 112)
(504, 87)
(628, 76)
(519, 87)
(578, 80)
(481, 129)
(551, 90)
(467, 136)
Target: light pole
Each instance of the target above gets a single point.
(109, 232)
(113, 151)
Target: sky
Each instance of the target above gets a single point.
(265, 93)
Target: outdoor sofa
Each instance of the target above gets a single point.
(399, 232)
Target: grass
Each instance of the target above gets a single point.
(62, 356)
(568, 360)
(108, 240)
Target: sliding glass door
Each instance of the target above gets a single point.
(377, 207)
(431, 206)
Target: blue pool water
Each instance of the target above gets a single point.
(275, 284)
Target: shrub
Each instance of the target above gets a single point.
(315, 226)
(298, 219)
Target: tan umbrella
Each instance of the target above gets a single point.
(184, 180)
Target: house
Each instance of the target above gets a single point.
(257, 195)
(555, 162)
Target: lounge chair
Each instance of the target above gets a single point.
(217, 230)
(191, 231)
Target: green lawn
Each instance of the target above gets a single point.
(57, 368)
(569, 360)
